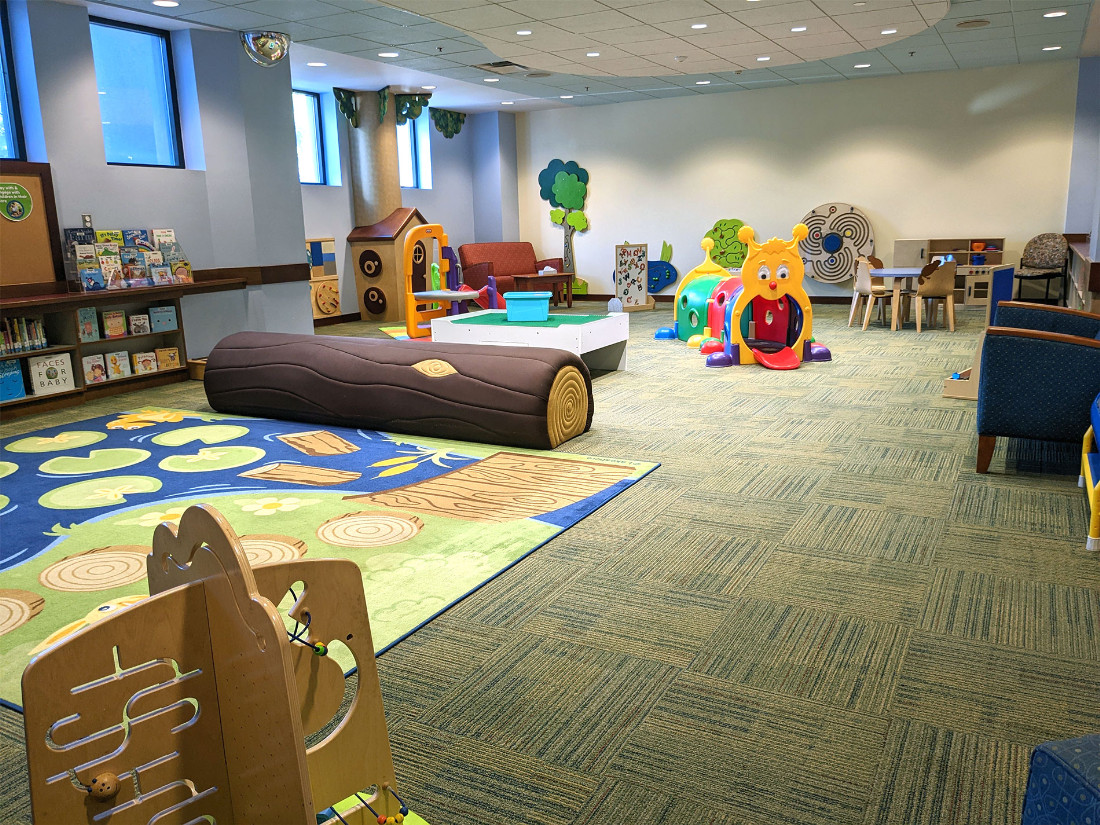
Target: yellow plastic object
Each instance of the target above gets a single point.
(771, 270)
(419, 313)
(707, 267)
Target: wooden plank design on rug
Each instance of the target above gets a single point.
(504, 487)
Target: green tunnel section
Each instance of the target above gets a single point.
(691, 309)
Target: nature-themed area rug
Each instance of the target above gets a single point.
(427, 520)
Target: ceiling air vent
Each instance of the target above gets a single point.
(538, 74)
(501, 67)
(972, 24)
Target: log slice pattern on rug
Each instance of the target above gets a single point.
(504, 487)
(99, 569)
(513, 396)
(17, 607)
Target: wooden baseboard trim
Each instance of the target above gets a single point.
(329, 320)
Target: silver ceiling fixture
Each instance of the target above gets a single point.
(265, 48)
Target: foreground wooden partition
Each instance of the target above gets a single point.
(191, 705)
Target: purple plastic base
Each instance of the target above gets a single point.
(817, 352)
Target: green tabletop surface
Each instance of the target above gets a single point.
(500, 319)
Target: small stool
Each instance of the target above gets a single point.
(1063, 783)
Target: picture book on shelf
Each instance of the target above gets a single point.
(91, 279)
(51, 373)
(152, 256)
(139, 324)
(106, 248)
(114, 323)
(168, 358)
(85, 254)
(136, 237)
(162, 319)
(111, 267)
(132, 255)
(11, 380)
(118, 364)
(161, 275)
(162, 236)
(79, 235)
(135, 275)
(171, 249)
(88, 324)
(109, 236)
(181, 272)
(144, 362)
(95, 369)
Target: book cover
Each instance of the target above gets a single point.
(136, 237)
(153, 257)
(85, 254)
(87, 324)
(95, 369)
(132, 255)
(111, 267)
(139, 324)
(114, 323)
(144, 362)
(51, 373)
(118, 364)
(79, 235)
(109, 236)
(135, 275)
(106, 248)
(171, 249)
(181, 272)
(91, 279)
(161, 275)
(11, 380)
(163, 319)
(162, 236)
(168, 358)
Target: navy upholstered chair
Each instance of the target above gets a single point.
(1040, 371)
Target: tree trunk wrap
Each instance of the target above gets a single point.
(513, 396)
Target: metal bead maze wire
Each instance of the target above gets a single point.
(299, 629)
(400, 801)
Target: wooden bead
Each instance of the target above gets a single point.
(104, 786)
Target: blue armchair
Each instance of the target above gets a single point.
(1040, 372)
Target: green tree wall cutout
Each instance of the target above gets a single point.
(565, 186)
(728, 251)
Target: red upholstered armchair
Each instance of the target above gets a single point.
(503, 261)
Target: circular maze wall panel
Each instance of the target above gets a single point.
(839, 233)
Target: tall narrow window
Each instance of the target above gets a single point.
(137, 101)
(11, 138)
(307, 130)
(414, 153)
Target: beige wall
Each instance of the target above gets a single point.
(982, 152)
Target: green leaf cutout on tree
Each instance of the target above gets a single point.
(557, 216)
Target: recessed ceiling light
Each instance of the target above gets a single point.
(491, 79)
(317, 65)
(523, 32)
(702, 82)
(567, 97)
(387, 54)
(1055, 14)
(592, 54)
(972, 24)
(165, 4)
(427, 88)
(103, 93)
(859, 4)
(762, 59)
(1051, 48)
(862, 66)
(889, 31)
(799, 29)
(698, 25)
(507, 103)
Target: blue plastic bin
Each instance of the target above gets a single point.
(527, 306)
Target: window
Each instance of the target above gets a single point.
(414, 153)
(137, 104)
(307, 131)
(11, 139)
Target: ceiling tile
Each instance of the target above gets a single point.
(481, 17)
(967, 9)
(664, 11)
(593, 23)
(845, 8)
(715, 23)
(398, 17)
(542, 10)
(426, 8)
(633, 64)
(711, 42)
(814, 26)
(778, 13)
(289, 9)
(231, 18)
(428, 64)
(581, 57)
(630, 34)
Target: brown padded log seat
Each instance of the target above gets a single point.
(513, 396)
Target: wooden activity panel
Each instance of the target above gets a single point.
(192, 704)
(839, 234)
(378, 251)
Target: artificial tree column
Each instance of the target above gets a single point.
(375, 183)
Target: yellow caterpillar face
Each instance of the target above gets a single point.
(774, 268)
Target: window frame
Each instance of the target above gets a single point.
(415, 125)
(19, 145)
(319, 124)
(173, 98)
